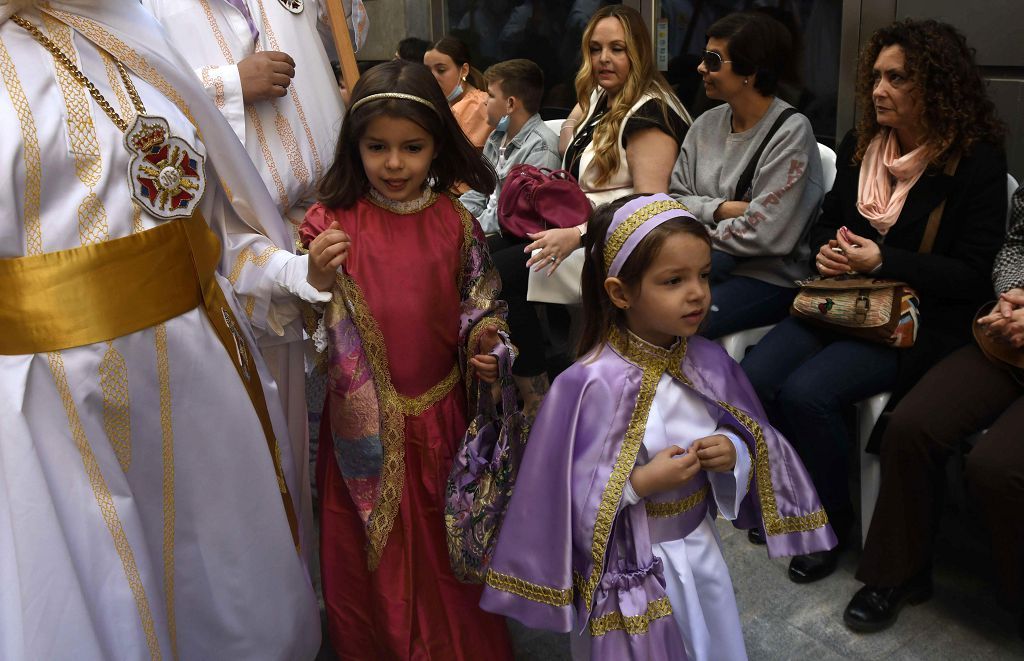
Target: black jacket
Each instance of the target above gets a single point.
(954, 280)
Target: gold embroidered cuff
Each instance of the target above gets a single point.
(633, 625)
(540, 593)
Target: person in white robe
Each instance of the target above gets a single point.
(265, 66)
(144, 488)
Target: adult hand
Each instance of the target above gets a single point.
(862, 254)
(730, 209)
(485, 364)
(554, 245)
(716, 453)
(830, 262)
(265, 75)
(669, 469)
(1008, 301)
(327, 252)
(1006, 320)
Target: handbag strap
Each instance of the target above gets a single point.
(747, 178)
(932, 228)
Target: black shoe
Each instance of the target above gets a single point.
(813, 567)
(756, 536)
(873, 609)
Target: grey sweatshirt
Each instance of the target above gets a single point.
(770, 238)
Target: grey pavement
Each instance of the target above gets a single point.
(785, 621)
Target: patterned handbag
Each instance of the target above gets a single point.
(482, 477)
(882, 311)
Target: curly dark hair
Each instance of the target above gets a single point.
(957, 113)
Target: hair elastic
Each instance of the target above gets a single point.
(392, 95)
(632, 222)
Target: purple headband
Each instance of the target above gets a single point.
(632, 222)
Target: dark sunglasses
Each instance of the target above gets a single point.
(713, 61)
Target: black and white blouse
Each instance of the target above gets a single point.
(1008, 271)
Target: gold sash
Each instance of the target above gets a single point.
(72, 298)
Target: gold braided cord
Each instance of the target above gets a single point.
(105, 503)
(634, 625)
(677, 507)
(69, 65)
(622, 233)
(542, 594)
(774, 522)
(30, 153)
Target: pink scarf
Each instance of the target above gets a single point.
(877, 199)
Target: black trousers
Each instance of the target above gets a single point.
(958, 397)
(524, 326)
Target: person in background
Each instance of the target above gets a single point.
(412, 49)
(964, 394)
(624, 134)
(758, 234)
(448, 60)
(924, 112)
(514, 90)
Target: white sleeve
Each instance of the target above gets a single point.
(224, 86)
(731, 488)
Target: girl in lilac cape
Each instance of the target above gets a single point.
(610, 532)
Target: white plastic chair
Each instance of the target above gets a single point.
(555, 124)
(868, 412)
(736, 344)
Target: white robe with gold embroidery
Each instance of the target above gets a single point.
(290, 140)
(139, 511)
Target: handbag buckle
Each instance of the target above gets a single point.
(861, 307)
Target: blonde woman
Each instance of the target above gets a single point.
(623, 136)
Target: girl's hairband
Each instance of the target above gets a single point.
(632, 222)
(392, 95)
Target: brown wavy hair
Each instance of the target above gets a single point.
(957, 113)
(643, 77)
(455, 157)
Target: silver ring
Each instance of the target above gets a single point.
(553, 258)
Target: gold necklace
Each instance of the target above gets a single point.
(165, 173)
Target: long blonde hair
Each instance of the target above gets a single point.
(643, 77)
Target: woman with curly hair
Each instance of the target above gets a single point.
(928, 136)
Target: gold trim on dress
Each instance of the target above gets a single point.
(167, 457)
(30, 153)
(105, 503)
(774, 522)
(542, 594)
(414, 406)
(672, 508)
(117, 421)
(652, 362)
(633, 625)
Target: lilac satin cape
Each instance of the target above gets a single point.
(553, 542)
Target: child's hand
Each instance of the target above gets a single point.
(327, 252)
(716, 453)
(669, 469)
(486, 365)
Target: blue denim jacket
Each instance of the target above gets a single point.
(535, 144)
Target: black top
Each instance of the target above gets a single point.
(953, 281)
(647, 116)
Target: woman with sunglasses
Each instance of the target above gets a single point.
(757, 142)
(927, 141)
